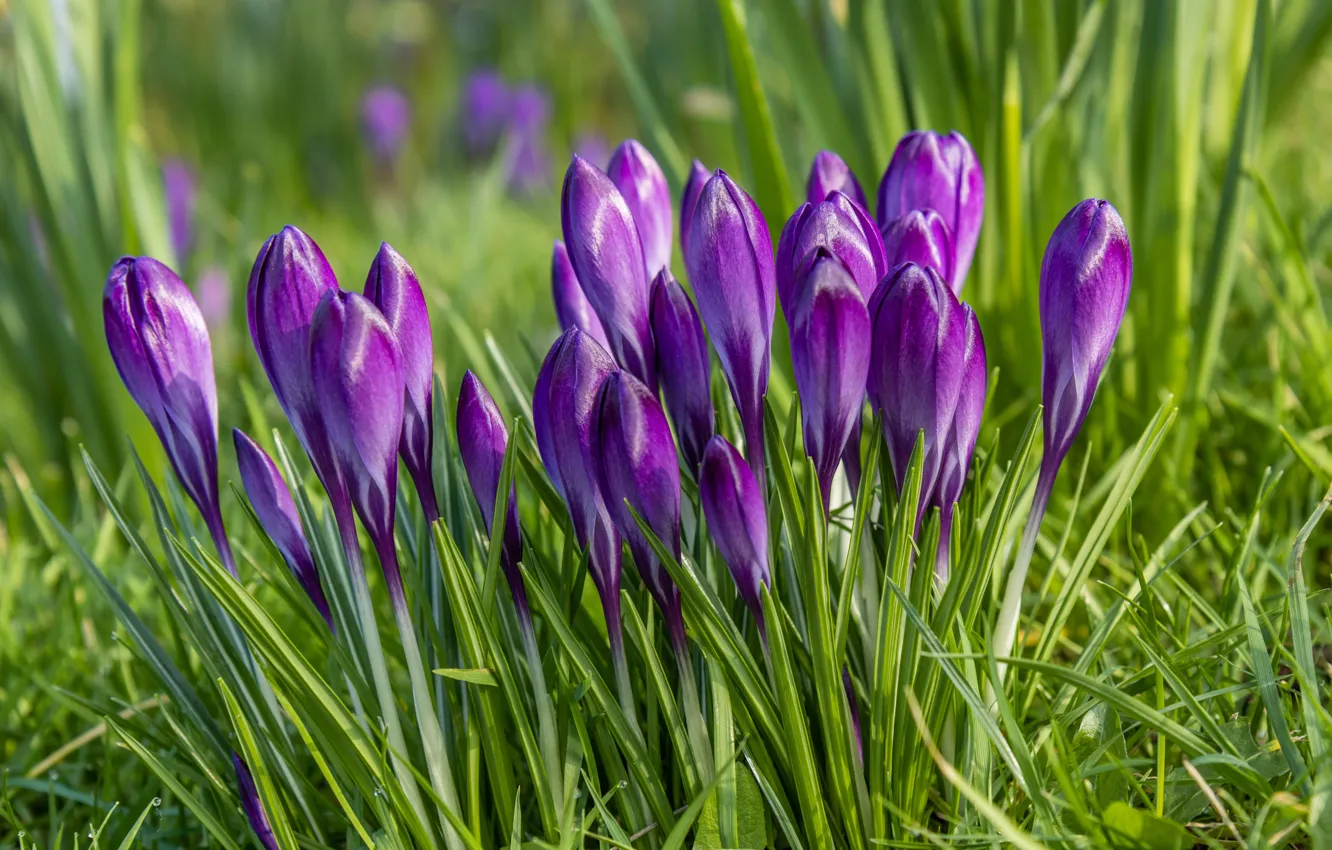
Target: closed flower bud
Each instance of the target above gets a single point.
(962, 433)
(640, 180)
(393, 288)
(830, 351)
(277, 514)
(607, 256)
(252, 804)
(698, 177)
(180, 191)
(922, 237)
(841, 227)
(386, 119)
(160, 346)
(929, 171)
(830, 173)
(730, 262)
(572, 308)
(733, 507)
(682, 360)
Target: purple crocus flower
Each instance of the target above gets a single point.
(845, 230)
(485, 110)
(180, 192)
(392, 286)
(607, 256)
(160, 346)
(213, 289)
(830, 173)
(730, 262)
(682, 360)
(698, 176)
(929, 171)
(252, 804)
(733, 507)
(640, 180)
(830, 352)
(916, 368)
(386, 119)
(922, 237)
(277, 514)
(962, 433)
(592, 146)
(529, 163)
(482, 441)
(572, 309)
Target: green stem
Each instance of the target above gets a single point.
(550, 750)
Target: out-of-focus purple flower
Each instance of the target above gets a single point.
(922, 237)
(916, 367)
(180, 191)
(941, 173)
(730, 262)
(643, 185)
(386, 119)
(607, 256)
(214, 293)
(592, 146)
(572, 309)
(277, 514)
(682, 360)
(160, 346)
(636, 466)
(962, 434)
(733, 506)
(698, 176)
(529, 164)
(845, 230)
(1086, 276)
(252, 804)
(830, 353)
(830, 173)
(482, 441)
(359, 387)
(392, 286)
(485, 110)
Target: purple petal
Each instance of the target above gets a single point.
(733, 506)
(965, 428)
(252, 804)
(841, 227)
(686, 375)
(386, 119)
(640, 180)
(180, 191)
(698, 176)
(830, 173)
(572, 308)
(922, 237)
(485, 109)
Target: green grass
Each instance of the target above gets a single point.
(1170, 685)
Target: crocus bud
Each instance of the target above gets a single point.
(733, 507)
(277, 514)
(640, 180)
(386, 118)
(830, 352)
(485, 110)
(252, 804)
(160, 346)
(359, 387)
(607, 256)
(922, 237)
(729, 257)
(916, 367)
(572, 309)
(682, 358)
(845, 230)
(929, 171)
(529, 162)
(828, 174)
(636, 466)
(482, 440)
(179, 192)
(698, 176)
(962, 433)
(592, 146)
(392, 287)
(1085, 280)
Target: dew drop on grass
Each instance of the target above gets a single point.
(157, 801)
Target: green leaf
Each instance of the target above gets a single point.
(1129, 827)
(753, 818)
(473, 676)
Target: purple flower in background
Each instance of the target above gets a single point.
(392, 286)
(830, 173)
(180, 192)
(682, 360)
(592, 146)
(830, 352)
(529, 163)
(960, 441)
(386, 119)
(698, 176)
(252, 804)
(159, 342)
(929, 171)
(482, 441)
(214, 294)
(730, 262)
(845, 230)
(733, 506)
(572, 309)
(277, 514)
(643, 185)
(922, 237)
(485, 110)
(607, 256)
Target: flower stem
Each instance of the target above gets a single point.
(693, 710)
(1005, 628)
(550, 750)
